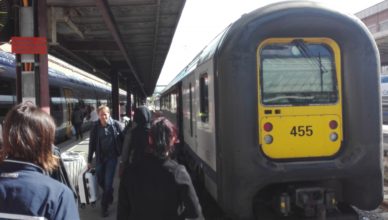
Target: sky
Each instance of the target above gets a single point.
(202, 20)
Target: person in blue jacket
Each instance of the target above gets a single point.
(26, 158)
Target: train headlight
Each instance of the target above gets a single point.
(333, 136)
(268, 139)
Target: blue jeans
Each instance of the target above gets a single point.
(105, 174)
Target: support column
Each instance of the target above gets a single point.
(134, 101)
(129, 103)
(18, 69)
(115, 94)
(32, 69)
(42, 70)
(26, 25)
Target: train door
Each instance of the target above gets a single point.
(179, 110)
(67, 111)
(189, 121)
(193, 121)
(300, 98)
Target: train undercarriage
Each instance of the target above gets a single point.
(300, 201)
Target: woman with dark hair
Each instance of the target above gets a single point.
(157, 187)
(26, 158)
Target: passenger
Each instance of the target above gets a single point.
(105, 141)
(77, 118)
(122, 111)
(136, 139)
(157, 187)
(26, 158)
(93, 114)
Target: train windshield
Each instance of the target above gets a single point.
(297, 73)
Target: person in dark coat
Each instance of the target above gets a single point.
(136, 138)
(26, 158)
(157, 187)
(77, 119)
(106, 142)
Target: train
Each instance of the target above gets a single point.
(68, 87)
(384, 96)
(280, 115)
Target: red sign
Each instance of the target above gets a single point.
(29, 45)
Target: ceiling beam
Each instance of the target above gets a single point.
(156, 33)
(66, 53)
(111, 24)
(91, 45)
(87, 3)
(98, 45)
(115, 64)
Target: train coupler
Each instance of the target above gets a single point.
(315, 201)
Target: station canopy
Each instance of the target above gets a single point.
(131, 37)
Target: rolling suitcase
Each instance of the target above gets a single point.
(74, 163)
(87, 188)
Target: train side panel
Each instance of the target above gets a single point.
(200, 132)
(189, 102)
(66, 88)
(384, 95)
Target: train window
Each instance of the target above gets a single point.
(7, 87)
(56, 105)
(173, 98)
(7, 96)
(297, 73)
(204, 97)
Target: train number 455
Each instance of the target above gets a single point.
(302, 130)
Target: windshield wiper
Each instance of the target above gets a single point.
(295, 97)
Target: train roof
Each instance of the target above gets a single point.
(244, 22)
(201, 57)
(63, 71)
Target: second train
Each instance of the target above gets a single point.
(280, 115)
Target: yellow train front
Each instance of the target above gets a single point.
(282, 113)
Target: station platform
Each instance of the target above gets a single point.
(89, 212)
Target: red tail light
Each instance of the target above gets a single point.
(267, 127)
(333, 124)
